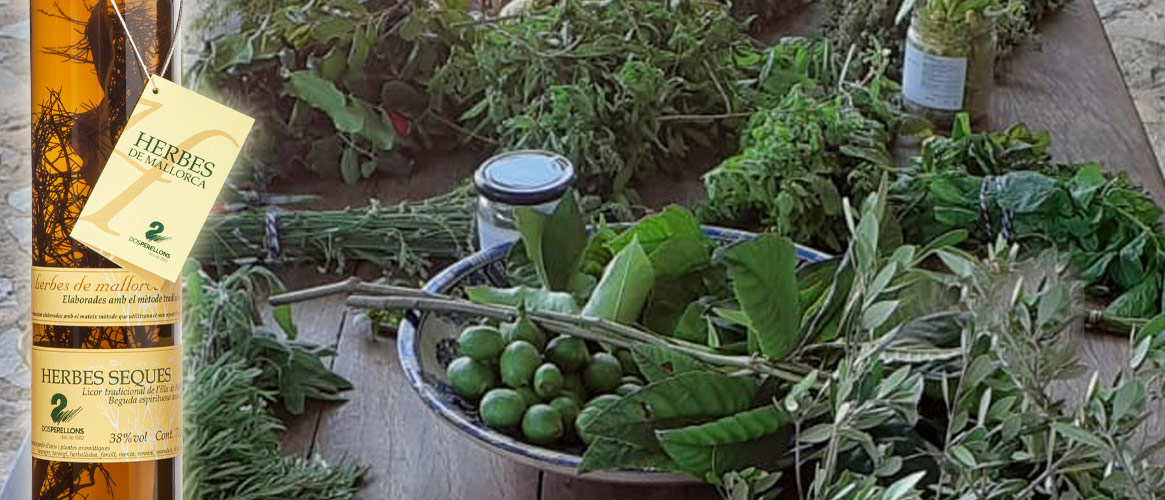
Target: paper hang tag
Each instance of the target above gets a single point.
(165, 173)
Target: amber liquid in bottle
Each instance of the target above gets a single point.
(85, 83)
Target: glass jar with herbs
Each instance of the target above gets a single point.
(950, 60)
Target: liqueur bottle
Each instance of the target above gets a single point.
(107, 382)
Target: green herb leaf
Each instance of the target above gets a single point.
(534, 299)
(764, 280)
(622, 291)
(324, 96)
(554, 243)
(730, 443)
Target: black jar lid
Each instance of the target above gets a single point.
(524, 177)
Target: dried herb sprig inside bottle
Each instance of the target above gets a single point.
(949, 61)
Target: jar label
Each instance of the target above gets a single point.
(101, 297)
(107, 405)
(931, 81)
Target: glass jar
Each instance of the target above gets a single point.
(949, 66)
(535, 179)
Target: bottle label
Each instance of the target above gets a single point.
(106, 405)
(166, 170)
(101, 297)
(931, 81)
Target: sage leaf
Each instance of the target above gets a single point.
(324, 96)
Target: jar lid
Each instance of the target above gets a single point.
(524, 177)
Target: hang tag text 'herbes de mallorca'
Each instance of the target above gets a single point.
(165, 173)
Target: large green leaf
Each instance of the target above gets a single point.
(764, 280)
(613, 453)
(680, 256)
(324, 96)
(658, 363)
(677, 401)
(534, 299)
(377, 128)
(734, 442)
(675, 222)
(554, 243)
(624, 287)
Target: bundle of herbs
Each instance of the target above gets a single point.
(236, 374)
(333, 85)
(875, 25)
(404, 239)
(620, 88)
(798, 159)
(1005, 185)
(890, 372)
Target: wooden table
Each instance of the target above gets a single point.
(1073, 88)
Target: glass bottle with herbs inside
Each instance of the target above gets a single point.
(950, 59)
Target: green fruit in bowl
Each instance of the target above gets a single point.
(548, 381)
(568, 408)
(524, 329)
(627, 361)
(481, 343)
(470, 378)
(572, 384)
(603, 374)
(542, 424)
(502, 408)
(589, 412)
(518, 363)
(569, 353)
(528, 396)
(627, 389)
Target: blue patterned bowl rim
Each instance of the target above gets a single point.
(449, 277)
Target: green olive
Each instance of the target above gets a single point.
(542, 424)
(482, 343)
(602, 374)
(524, 329)
(572, 385)
(627, 361)
(502, 408)
(528, 396)
(627, 389)
(568, 408)
(569, 353)
(631, 379)
(518, 363)
(470, 378)
(548, 381)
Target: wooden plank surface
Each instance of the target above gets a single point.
(1072, 87)
(409, 452)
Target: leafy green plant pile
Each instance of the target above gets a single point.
(236, 374)
(404, 238)
(1005, 184)
(620, 87)
(890, 372)
(873, 25)
(798, 159)
(330, 83)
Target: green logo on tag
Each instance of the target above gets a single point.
(155, 232)
(60, 415)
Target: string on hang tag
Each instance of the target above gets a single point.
(138, 53)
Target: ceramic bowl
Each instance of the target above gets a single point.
(426, 343)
